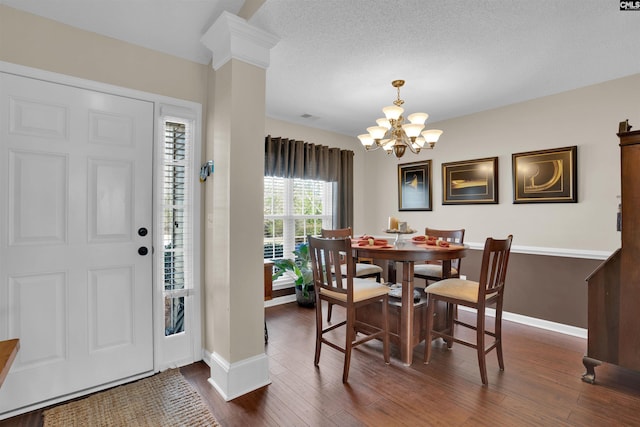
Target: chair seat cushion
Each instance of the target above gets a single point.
(431, 270)
(362, 289)
(362, 269)
(466, 290)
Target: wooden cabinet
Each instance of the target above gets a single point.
(614, 288)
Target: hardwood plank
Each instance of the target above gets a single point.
(541, 384)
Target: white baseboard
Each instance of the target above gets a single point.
(536, 323)
(512, 317)
(280, 300)
(233, 380)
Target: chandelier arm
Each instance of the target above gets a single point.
(407, 141)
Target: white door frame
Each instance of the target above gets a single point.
(195, 110)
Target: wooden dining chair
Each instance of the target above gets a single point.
(363, 270)
(349, 292)
(487, 291)
(433, 271)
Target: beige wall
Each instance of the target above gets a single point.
(586, 117)
(32, 41)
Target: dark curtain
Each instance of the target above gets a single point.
(287, 158)
(343, 192)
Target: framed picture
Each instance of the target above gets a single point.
(470, 182)
(414, 186)
(546, 176)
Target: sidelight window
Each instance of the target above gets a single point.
(176, 224)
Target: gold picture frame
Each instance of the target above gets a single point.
(414, 186)
(470, 182)
(546, 176)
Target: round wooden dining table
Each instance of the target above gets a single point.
(408, 252)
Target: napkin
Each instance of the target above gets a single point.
(373, 242)
(441, 243)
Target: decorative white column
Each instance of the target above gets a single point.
(234, 295)
(232, 37)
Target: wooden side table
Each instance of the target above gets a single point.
(8, 350)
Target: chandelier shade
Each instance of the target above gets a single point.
(394, 135)
(392, 112)
(419, 118)
(384, 123)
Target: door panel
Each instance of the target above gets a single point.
(110, 200)
(76, 187)
(41, 296)
(110, 311)
(29, 192)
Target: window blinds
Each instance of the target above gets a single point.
(177, 226)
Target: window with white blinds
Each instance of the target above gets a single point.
(177, 225)
(293, 209)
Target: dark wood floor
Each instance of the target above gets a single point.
(540, 386)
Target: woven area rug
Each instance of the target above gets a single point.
(165, 399)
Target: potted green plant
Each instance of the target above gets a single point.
(300, 271)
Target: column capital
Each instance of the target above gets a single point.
(233, 37)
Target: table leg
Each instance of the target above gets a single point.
(391, 271)
(406, 316)
(446, 268)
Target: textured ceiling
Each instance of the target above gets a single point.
(336, 58)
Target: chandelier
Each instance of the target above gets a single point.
(394, 135)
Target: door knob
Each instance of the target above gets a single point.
(142, 250)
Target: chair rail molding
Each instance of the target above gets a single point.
(557, 252)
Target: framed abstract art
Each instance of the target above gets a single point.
(546, 176)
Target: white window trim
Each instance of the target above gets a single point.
(285, 281)
(192, 114)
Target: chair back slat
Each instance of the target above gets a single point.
(495, 259)
(338, 233)
(326, 257)
(451, 236)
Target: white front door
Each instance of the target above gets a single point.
(75, 196)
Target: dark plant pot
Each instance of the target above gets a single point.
(308, 299)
